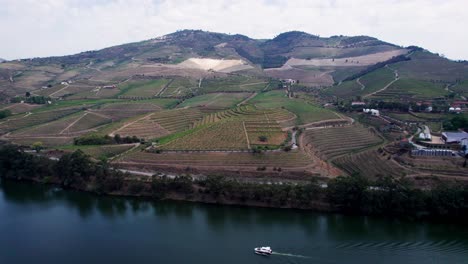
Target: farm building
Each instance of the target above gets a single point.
(357, 103)
(454, 137)
(373, 112)
(425, 134)
(432, 152)
(288, 81)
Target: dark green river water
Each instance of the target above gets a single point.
(40, 224)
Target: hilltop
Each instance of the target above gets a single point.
(313, 60)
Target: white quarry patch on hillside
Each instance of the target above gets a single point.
(215, 64)
(364, 60)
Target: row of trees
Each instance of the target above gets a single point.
(353, 194)
(94, 139)
(31, 99)
(455, 123)
(75, 170)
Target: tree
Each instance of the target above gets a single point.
(28, 94)
(263, 138)
(37, 146)
(5, 113)
(117, 139)
(74, 169)
(347, 193)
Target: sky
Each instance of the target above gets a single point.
(41, 28)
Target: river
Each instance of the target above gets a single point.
(43, 224)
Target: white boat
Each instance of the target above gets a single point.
(264, 251)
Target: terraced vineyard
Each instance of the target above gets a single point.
(102, 151)
(330, 143)
(271, 130)
(215, 101)
(220, 159)
(248, 113)
(369, 164)
(28, 120)
(233, 84)
(88, 121)
(145, 128)
(120, 111)
(227, 135)
(177, 120)
(180, 87)
(143, 88)
(408, 88)
(161, 123)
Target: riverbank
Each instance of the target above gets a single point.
(387, 196)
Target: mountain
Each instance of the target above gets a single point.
(313, 60)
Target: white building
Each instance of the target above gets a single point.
(373, 112)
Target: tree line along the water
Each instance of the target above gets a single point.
(354, 194)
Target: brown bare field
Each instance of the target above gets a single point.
(143, 128)
(46, 141)
(221, 160)
(349, 61)
(20, 108)
(306, 77)
(118, 111)
(329, 143)
(370, 164)
(155, 70)
(214, 64)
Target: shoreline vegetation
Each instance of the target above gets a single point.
(386, 196)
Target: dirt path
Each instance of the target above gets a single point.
(73, 123)
(125, 152)
(250, 84)
(164, 88)
(99, 114)
(129, 124)
(397, 77)
(89, 67)
(214, 99)
(358, 80)
(247, 99)
(66, 86)
(246, 135)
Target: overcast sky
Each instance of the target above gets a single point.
(38, 28)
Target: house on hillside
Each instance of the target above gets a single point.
(455, 109)
(289, 81)
(454, 137)
(358, 103)
(425, 134)
(373, 112)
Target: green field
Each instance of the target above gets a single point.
(142, 89)
(216, 100)
(233, 84)
(413, 89)
(306, 112)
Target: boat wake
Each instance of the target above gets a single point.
(289, 255)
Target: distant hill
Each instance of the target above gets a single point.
(311, 59)
(2, 60)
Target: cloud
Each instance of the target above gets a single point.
(59, 27)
